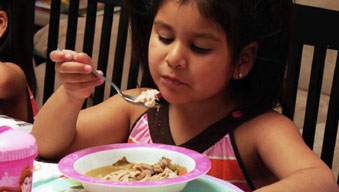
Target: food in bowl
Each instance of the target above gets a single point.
(77, 164)
(125, 171)
(148, 97)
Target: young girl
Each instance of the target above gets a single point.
(16, 66)
(219, 66)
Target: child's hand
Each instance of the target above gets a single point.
(75, 72)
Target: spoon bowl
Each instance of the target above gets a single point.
(129, 98)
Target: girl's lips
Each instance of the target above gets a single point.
(172, 81)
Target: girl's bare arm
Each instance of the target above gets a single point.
(62, 127)
(54, 126)
(284, 152)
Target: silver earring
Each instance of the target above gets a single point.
(240, 75)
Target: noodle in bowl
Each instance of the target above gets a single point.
(77, 164)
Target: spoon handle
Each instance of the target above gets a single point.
(107, 81)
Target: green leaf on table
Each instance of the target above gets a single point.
(72, 181)
(77, 187)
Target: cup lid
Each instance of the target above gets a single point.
(16, 144)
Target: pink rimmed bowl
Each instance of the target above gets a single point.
(75, 165)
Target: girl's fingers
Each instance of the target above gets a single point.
(77, 78)
(74, 71)
(73, 67)
(83, 58)
(75, 87)
(60, 56)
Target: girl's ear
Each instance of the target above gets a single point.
(246, 61)
(3, 23)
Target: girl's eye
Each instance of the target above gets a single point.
(199, 49)
(165, 40)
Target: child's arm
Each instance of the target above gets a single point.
(285, 154)
(61, 127)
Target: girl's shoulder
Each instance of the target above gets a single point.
(268, 125)
(11, 65)
(12, 69)
(271, 119)
(12, 77)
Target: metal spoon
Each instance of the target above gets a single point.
(128, 98)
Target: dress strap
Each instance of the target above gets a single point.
(161, 133)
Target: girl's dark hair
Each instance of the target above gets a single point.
(16, 45)
(267, 22)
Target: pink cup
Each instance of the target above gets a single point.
(17, 152)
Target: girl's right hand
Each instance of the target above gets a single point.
(75, 72)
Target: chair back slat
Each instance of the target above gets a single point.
(91, 13)
(292, 78)
(53, 34)
(104, 49)
(90, 27)
(120, 50)
(331, 127)
(72, 24)
(313, 96)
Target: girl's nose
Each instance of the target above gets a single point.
(176, 56)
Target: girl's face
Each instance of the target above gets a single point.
(189, 58)
(27, 184)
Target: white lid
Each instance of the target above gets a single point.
(16, 144)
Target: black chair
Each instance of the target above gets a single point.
(71, 34)
(319, 28)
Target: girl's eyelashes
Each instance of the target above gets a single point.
(193, 46)
(165, 40)
(199, 49)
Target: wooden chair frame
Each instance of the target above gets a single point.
(317, 27)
